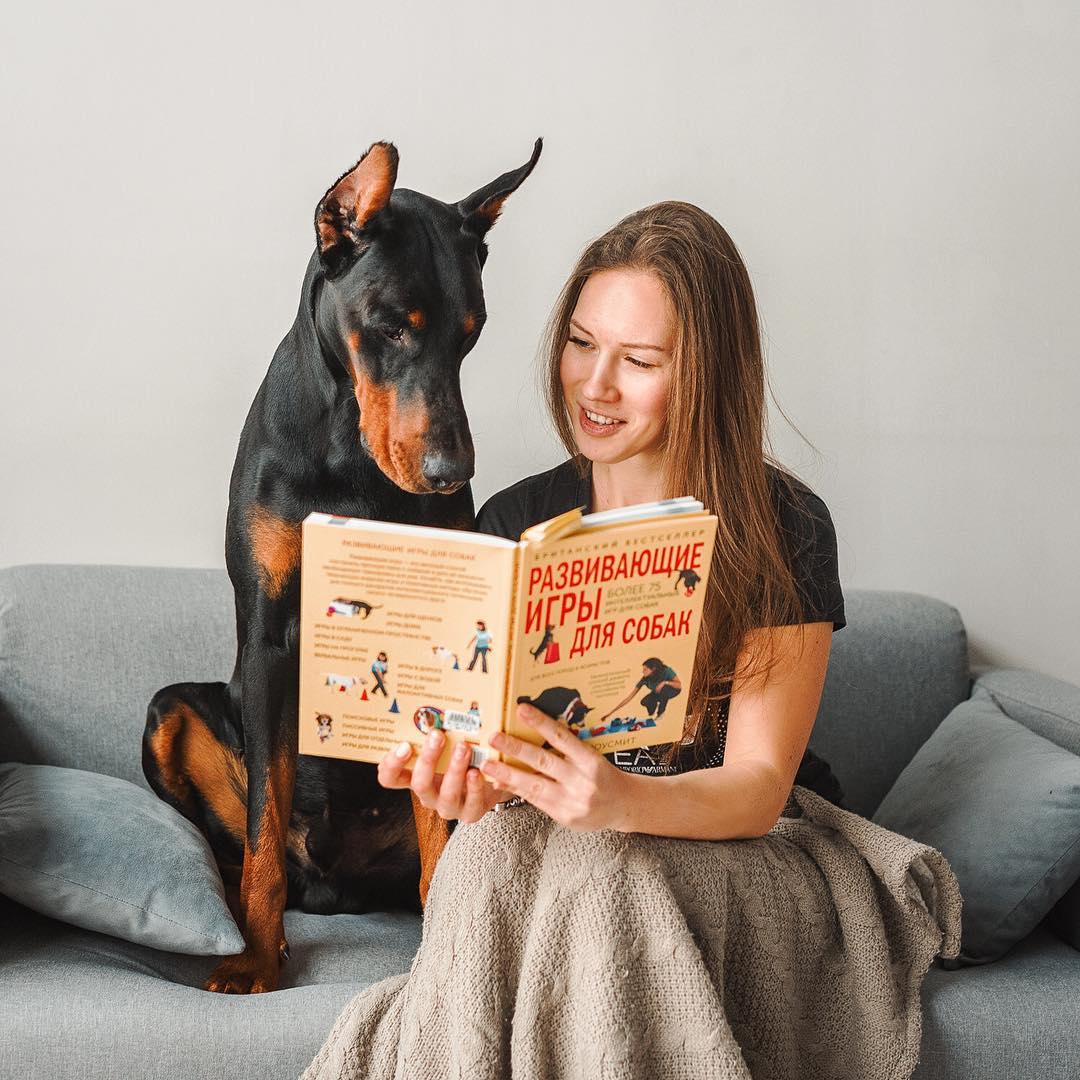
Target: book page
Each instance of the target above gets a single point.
(397, 628)
(608, 622)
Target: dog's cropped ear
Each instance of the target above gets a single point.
(352, 202)
(480, 209)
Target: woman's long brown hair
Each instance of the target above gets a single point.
(717, 417)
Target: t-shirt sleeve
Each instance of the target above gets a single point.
(810, 539)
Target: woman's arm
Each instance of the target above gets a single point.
(621, 703)
(768, 730)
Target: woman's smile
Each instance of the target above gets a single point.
(598, 424)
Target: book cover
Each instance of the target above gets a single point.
(594, 619)
(606, 627)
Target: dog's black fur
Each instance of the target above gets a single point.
(360, 414)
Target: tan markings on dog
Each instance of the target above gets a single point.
(352, 344)
(188, 754)
(359, 194)
(417, 319)
(490, 210)
(163, 746)
(395, 434)
(432, 832)
(327, 231)
(275, 547)
(263, 887)
(469, 323)
(296, 842)
(375, 177)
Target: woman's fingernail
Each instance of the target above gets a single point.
(402, 750)
(460, 751)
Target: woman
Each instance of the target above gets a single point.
(654, 345)
(379, 667)
(588, 932)
(661, 684)
(482, 637)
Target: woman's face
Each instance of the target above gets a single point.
(617, 363)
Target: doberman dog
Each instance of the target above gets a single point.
(360, 414)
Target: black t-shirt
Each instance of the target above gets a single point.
(809, 537)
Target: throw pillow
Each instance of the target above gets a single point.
(103, 854)
(1002, 804)
(1065, 918)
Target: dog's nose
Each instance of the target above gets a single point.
(442, 471)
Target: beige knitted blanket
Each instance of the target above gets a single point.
(550, 953)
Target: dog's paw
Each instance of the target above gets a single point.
(246, 973)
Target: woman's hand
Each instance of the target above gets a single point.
(574, 784)
(456, 794)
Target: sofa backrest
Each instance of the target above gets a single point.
(897, 669)
(84, 648)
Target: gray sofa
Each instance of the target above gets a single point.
(83, 648)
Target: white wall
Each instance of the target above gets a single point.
(902, 180)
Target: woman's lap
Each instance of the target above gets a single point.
(641, 955)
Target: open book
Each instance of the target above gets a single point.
(593, 618)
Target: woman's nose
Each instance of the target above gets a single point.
(601, 382)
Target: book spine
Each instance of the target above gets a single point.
(512, 646)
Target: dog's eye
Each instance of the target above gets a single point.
(392, 333)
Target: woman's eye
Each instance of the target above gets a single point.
(579, 343)
(639, 363)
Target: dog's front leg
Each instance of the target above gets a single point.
(269, 703)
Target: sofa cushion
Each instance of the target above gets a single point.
(1002, 804)
(105, 855)
(870, 722)
(83, 649)
(1011, 1020)
(1051, 708)
(78, 1003)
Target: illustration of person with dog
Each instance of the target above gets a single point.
(482, 637)
(378, 668)
(662, 683)
(546, 643)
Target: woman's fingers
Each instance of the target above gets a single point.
(532, 787)
(461, 793)
(423, 773)
(544, 761)
(452, 788)
(391, 771)
(479, 798)
(567, 747)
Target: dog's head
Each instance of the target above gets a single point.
(400, 306)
